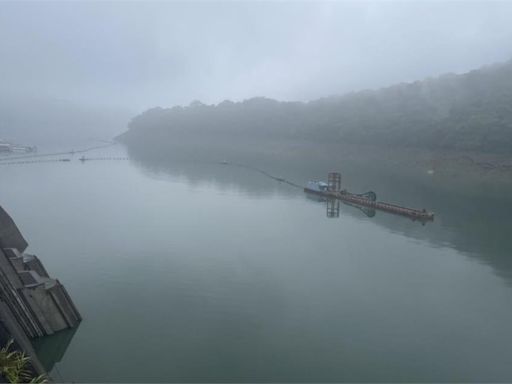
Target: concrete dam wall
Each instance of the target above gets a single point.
(32, 304)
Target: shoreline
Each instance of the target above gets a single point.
(445, 169)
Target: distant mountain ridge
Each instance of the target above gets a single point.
(471, 111)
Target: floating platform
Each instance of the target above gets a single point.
(415, 214)
(331, 190)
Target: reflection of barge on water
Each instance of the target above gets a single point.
(332, 190)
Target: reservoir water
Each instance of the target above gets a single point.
(209, 272)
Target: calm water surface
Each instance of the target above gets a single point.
(230, 276)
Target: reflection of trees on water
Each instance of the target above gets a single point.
(468, 219)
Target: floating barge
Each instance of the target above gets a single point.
(332, 190)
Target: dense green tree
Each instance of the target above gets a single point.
(472, 111)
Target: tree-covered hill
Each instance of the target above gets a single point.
(472, 111)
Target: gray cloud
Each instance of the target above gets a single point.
(142, 54)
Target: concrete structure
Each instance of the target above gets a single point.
(32, 304)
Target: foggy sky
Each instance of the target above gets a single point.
(140, 54)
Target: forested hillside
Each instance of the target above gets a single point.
(472, 111)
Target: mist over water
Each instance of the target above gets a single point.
(222, 274)
(174, 140)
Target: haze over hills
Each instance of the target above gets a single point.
(469, 112)
(49, 122)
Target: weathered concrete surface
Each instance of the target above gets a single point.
(10, 236)
(9, 329)
(32, 304)
(52, 349)
(35, 264)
